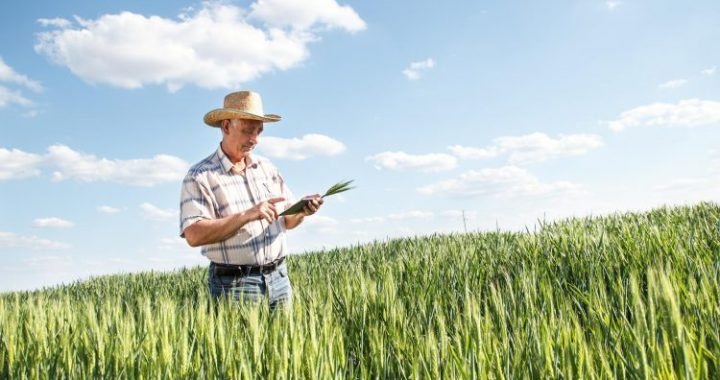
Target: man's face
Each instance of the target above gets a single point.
(241, 135)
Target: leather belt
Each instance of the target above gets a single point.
(229, 269)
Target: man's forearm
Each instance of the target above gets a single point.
(292, 221)
(212, 231)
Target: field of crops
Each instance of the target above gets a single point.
(624, 296)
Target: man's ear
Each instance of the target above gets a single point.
(224, 126)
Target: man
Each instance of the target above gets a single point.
(230, 205)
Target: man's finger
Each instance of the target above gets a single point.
(276, 200)
(268, 216)
(273, 211)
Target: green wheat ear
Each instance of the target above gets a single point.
(339, 188)
(334, 189)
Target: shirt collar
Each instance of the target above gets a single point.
(228, 165)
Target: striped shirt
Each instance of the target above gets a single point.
(211, 190)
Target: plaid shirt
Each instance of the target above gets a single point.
(211, 190)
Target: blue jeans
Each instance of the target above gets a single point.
(253, 287)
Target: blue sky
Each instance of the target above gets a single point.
(509, 111)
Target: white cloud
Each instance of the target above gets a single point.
(7, 74)
(152, 212)
(686, 113)
(504, 182)
(85, 167)
(56, 22)
(474, 153)
(304, 14)
(415, 70)
(52, 222)
(18, 164)
(433, 162)
(537, 147)
(9, 240)
(302, 148)
(414, 214)
(612, 5)
(709, 71)
(215, 46)
(140, 172)
(8, 96)
(675, 83)
(321, 223)
(534, 147)
(108, 209)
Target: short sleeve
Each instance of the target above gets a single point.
(195, 203)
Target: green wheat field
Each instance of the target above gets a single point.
(632, 295)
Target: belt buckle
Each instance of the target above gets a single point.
(228, 270)
(265, 269)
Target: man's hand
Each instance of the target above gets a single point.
(314, 205)
(265, 210)
(210, 231)
(315, 201)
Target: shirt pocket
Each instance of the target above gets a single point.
(269, 189)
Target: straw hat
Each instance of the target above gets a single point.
(239, 105)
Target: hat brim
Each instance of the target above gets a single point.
(214, 117)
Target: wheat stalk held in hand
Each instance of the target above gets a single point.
(334, 189)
